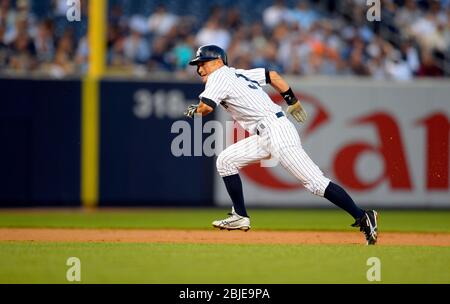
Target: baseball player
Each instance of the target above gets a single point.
(239, 92)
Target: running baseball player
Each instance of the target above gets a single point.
(239, 92)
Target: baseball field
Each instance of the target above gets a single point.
(179, 246)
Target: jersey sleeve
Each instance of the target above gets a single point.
(259, 75)
(216, 90)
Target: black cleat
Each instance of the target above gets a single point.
(368, 224)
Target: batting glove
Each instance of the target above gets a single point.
(297, 111)
(191, 110)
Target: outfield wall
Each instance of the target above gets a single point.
(40, 145)
(136, 162)
(39, 142)
(387, 143)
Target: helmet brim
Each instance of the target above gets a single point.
(197, 60)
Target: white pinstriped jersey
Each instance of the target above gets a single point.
(240, 93)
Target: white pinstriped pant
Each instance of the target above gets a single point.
(278, 139)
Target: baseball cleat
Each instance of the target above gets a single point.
(368, 224)
(233, 222)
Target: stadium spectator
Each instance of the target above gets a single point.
(62, 66)
(389, 12)
(275, 14)
(407, 13)
(376, 66)
(4, 50)
(23, 53)
(21, 25)
(44, 42)
(411, 55)
(424, 28)
(63, 63)
(233, 20)
(161, 21)
(357, 58)
(258, 39)
(59, 7)
(240, 47)
(396, 67)
(136, 47)
(82, 56)
(160, 59)
(183, 52)
(7, 15)
(303, 15)
(117, 16)
(428, 67)
(324, 38)
(269, 58)
(213, 33)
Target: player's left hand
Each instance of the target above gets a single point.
(191, 110)
(297, 111)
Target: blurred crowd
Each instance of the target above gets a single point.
(333, 38)
(29, 44)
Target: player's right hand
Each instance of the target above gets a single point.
(297, 111)
(191, 110)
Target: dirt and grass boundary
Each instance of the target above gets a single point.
(217, 237)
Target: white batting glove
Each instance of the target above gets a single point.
(191, 110)
(297, 111)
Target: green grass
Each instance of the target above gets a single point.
(184, 263)
(43, 262)
(408, 221)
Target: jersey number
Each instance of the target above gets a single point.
(252, 85)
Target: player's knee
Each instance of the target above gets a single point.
(220, 163)
(316, 187)
(225, 165)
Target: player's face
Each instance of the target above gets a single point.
(206, 68)
(201, 70)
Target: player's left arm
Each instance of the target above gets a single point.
(295, 107)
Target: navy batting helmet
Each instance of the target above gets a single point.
(209, 52)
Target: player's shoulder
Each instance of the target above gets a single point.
(225, 70)
(220, 75)
(255, 70)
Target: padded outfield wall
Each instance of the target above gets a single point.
(41, 145)
(387, 143)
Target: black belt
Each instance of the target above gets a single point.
(279, 115)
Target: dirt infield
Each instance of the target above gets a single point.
(217, 237)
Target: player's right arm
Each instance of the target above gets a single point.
(216, 90)
(295, 107)
(201, 109)
(204, 109)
